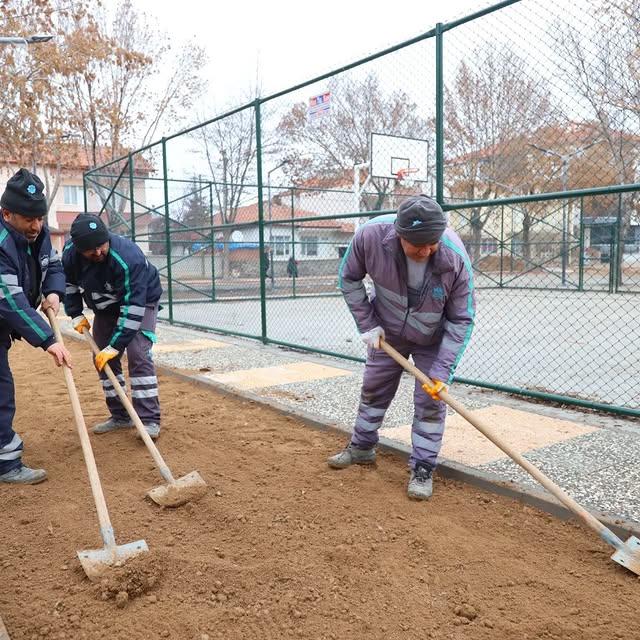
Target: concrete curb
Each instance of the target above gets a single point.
(448, 469)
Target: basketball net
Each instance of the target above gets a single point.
(405, 177)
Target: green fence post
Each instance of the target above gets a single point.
(439, 115)
(581, 248)
(84, 192)
(612, 257)
(263, 290)
(132, 199)
(167, 228)
(501, 244)
(293, 243)
(213, 246)
(619, 240)
(612, 249)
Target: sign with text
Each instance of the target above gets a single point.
(318, 106)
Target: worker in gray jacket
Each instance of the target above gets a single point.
(111, 275)
(423, 305)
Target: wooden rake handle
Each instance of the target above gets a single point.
(606, 534)
(4, 634)
(153, 450)
(106, 530)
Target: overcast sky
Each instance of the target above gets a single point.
(285, 43)
(289, 42)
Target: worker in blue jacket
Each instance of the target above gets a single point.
(123, 290)
(30, 275)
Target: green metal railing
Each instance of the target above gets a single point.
(498, 121)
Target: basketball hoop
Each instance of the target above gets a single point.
(404, 176)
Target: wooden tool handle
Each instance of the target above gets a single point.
(155, 454)
(606, 534)
(106, 529)
(4, 634)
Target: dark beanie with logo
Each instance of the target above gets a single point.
(420, 220)
(88, 232)
(24, 194)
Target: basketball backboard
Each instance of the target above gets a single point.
(393, 154)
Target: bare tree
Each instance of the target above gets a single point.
(606, 77)
(192, 213)
(35, 129)
(491, 108)
(331, 146)
(230, 149)
(95, 90)
(132, 85)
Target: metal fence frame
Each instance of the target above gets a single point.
(126, 172)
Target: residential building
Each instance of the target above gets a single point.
(553, 158)
(307, 240)
(63, 178)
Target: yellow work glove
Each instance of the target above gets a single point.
(108, 353)
(80, 323)
(434, 389)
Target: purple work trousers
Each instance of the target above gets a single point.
(142, 371)
(381, 378)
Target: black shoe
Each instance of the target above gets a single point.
(421, 481)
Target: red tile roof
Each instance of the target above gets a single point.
(249, 213)
(66, 218)
(75, 158)
(344, 179)
(563, 137)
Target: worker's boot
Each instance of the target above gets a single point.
(112, 425)
(421, 481)
(152, 428)
(24, 475)
(352, 455)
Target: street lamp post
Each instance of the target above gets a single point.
(514, 192)
(35, 39)
(278, 166)
(565, 159)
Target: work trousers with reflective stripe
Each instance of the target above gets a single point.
(381, 379)
(10, 442)
(142, 371)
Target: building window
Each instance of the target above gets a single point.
(488, 246)
(281, 245)
(72, 194)
(309, 246)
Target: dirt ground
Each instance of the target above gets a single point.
(281, 546)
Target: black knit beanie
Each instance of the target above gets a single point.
(24, 195)
(88, 232)
(420, 220)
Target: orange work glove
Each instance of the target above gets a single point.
(80, 323)
(434, 389)
(108, 353)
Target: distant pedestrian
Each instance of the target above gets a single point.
(292, 267)
(269, 265)
(266, 263)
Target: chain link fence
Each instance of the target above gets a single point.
(522, 120)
